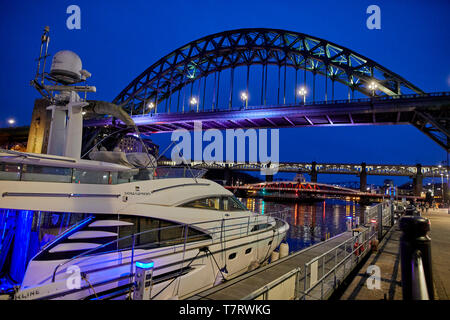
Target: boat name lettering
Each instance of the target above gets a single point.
(27, 294)
(132, 193)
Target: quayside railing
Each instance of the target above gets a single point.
(415, 256)
(319, 278)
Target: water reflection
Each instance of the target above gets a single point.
(309, 222)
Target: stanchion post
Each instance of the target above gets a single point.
(415, 238)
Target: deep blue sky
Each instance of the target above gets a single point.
(120, 39)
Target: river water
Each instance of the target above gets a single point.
(309, 222)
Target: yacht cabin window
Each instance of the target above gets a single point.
(233, 204)
(91, 177)
(28, 172)
(212, 203)
(152, 232)
(9, 171)
(228, 203)
(43, 173)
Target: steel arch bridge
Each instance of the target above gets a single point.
(160, 99)
(258, 46)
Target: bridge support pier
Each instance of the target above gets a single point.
(227, 175)
(313, 172)
(363, 178)
(418, 181)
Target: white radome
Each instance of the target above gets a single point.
(66, 66)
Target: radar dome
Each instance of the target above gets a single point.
(66, 67)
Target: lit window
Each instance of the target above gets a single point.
(233, 204)
(205, 203)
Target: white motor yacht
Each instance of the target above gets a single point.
(101, 218)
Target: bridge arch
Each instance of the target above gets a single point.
(257, 46)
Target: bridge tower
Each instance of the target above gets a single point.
(227, 175)
(313, 172)
(363, 178)
(418, 181)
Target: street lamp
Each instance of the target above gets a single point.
(302, 92)
(442, 187)
(11, 121)
(150, 105)
(194, 102)
(244, 98)
(373, 86)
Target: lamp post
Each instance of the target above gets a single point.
(373, 86)
(11, 122)
(244, 98)
(150, 107)
(194, 102)
(302, 92)
(442, 187)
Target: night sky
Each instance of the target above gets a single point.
(119, 39)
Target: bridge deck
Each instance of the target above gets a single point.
(244, 285)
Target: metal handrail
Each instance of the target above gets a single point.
(419, 283)
(368, 234)
(372, 212)
(210, 231)
(337, 265)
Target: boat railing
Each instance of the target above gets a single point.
(215, 231)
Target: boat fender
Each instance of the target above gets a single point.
(219, 278)
(284, 250)
(253, 265)
(274, 256)
(374, 245)
(356, 249)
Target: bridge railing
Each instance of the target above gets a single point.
(311, 103)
